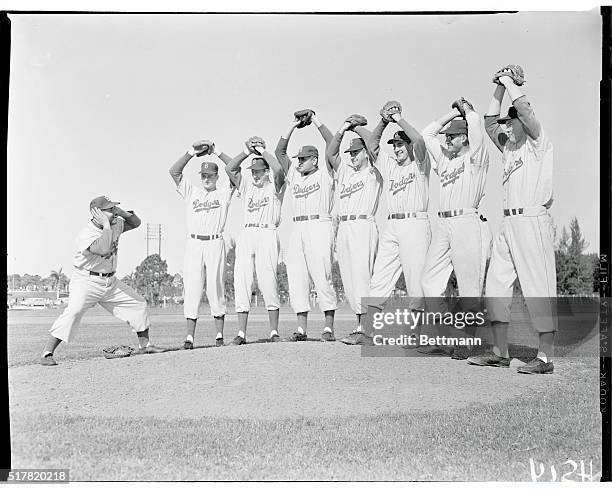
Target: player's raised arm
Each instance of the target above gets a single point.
(332, 151)
(323, 129)
(276, 167)
(474, 126)
(131, 221)
(492, 127)
(417, 139)
(199, 148)
(232, 169)
(283, 143)
(103, 245)
(523, 108)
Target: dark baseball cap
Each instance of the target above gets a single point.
(102, 202)
(259, 164)
(400, 136)
(307, 151)
(356, 145)
(457, 126)
(209, 168)
(512, 114)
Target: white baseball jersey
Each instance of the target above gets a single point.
(406, 185)
(311, 194)
(357, 192)
(85, 259)
(462, 178)
(206, 211)
(261, 204)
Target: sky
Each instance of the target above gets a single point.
(104, 104)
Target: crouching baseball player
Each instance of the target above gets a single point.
(94, 282)
(523, 248)
(258, 245)
(405, 239)
(462, 240)
(358, 188)
(310, 248)
(206, 208)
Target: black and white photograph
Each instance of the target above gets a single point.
(306, 246)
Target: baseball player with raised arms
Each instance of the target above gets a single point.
(94, 281)
(523, 248)
(309, 254)
(206, 208)
(404, 242)
(462, 240)
(358, 188)
(258, 245)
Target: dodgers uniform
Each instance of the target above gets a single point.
(258, 245)
(356, 202)
(523, 248)
(94, 282)
(462, 241)
(407, 234)
(205, 252)
(309, 254)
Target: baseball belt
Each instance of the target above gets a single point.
(306, 218)
(205, 237)
(259, 225)
(101, 274)
(513, 211)
(406, 215)
(455, 212)
(349, 217)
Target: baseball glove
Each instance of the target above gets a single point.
(390, 108)
(462, 105)
(255, 142)
(513, 71)
(203, 147)
(304, 117)
(116, 351)
(356, 120)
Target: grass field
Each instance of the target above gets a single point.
(289, 411)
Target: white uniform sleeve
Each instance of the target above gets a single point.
(383, 164)
(479, 154)
(434, 149)
(86, 237)
(423, 166)
(184, 188)
(245, 183)
(540, 145)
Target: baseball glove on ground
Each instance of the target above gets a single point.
(462, 105)
(203, 147)
(116, 351)
(255, 142)
(390, 108)
(304, 117)
(513, 71)
(356, 120)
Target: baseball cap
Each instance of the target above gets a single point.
(399, 136)
(209, 168)
(307, 151)
(356, 145)
(457, 126)
(512, 114)
(102, 202)
(259, 164)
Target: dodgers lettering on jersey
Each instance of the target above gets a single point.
(261, 205)
(407, 185)
(357, 192)
(312, 193)
(206, 211)
(84, 259)
(528, 168)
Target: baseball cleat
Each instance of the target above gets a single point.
(436, 350)
(219, 342)
(275, 338)
(327, 336)
(351, 338)
(238, 340)
(187, 345)
(491, 360)
(536, 366)
(460, 354)
(298, 337)
(363, 339)
(151, 349)
(48, 360)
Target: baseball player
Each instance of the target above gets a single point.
(462, 241)
(206, 208)
(358, 188)
(94, 282)
(404, 242)
(523, 248)
(309, 255)
(258, 245)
